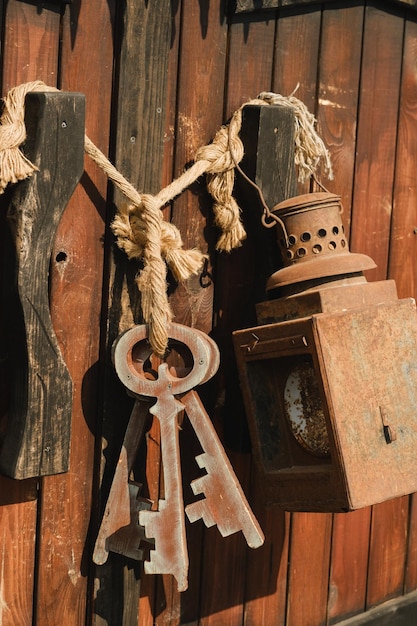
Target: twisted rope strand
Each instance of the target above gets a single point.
(138, 225)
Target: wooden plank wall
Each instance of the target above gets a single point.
(354, 65)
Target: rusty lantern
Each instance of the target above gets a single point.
(329, 377)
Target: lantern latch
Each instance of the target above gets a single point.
(390, 433)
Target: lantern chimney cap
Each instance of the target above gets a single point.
(312, 241)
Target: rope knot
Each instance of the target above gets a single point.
(139, 227)
(218, 153)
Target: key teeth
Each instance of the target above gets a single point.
(197, 486)
(200, 510)
(159, 562)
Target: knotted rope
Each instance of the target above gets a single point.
(138, 226)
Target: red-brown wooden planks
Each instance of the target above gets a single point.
(410, 582)
(30, 52)
(389, 523)
(340, 52)
(308, 569)
(266, 579)
(337, 111)
(376, 137)
(251, 45)
(64, 552)
(349, 564)
(30, 46)
(387, 550)
(403, 236)
(298, 72)
(292, 70)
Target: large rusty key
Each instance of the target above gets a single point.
(225, 504)
(166, 525)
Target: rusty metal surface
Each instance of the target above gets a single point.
(332, 297)
(312, 240)
(370, 368)
(364, 362)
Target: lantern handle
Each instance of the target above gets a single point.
(267, 213)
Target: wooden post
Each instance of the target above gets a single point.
(268, 138)
(139, 148)
(38, 431)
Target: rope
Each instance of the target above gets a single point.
(138, 226)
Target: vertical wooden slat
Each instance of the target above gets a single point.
(376, 137)
(403, 236)
(308, 569)
(410, 582)
(140, 104)
(349, 562)
(340, 55)
(64, 546)
(298, 72)
(250, 72)
(301, 25)
(202, 55)
(30, 46)
(387, 550)
(250, 56)
(29, 52)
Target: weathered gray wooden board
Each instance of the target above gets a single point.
(37, 439)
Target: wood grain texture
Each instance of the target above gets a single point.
(224, 602)
(309, 548)
(340, 52)
(376, 137)
(36, 57)
(64, 548)
(31, 42)
(403, 243)
(410, 582)
(37, 440)
(337, 112)
(387, 550)
(143, 42)
(349, 562)
(389, 542)
(267, 567)
(298, 71)
(199, 114)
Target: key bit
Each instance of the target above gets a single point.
(225, 503)
(119, 531)
(130, 539)
(167, 525)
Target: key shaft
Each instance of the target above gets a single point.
(167, 525)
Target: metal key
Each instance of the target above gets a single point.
(167, 525)
(225, 504)
(120, 531)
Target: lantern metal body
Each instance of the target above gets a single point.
(329, 377)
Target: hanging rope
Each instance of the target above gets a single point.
(138, 226)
